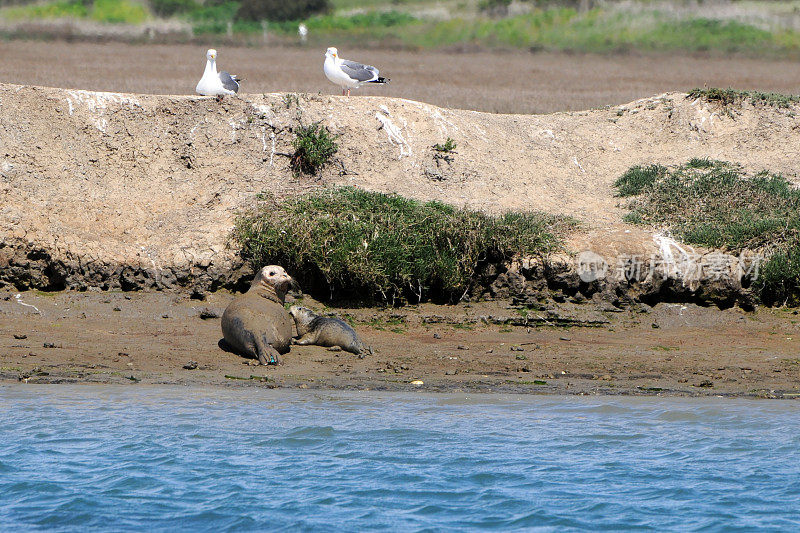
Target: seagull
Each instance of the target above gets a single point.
(349, 74)
(216, 84)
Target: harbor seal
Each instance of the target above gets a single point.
(325, 331)
(256, 324)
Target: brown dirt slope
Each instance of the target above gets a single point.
(112, 186)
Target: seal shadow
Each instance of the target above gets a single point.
(225, 347)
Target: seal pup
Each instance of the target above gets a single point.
(256, 323)
(325, 331)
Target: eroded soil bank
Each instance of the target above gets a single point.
(139, 338)
(122, 191)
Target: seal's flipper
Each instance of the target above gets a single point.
(267, 355)
(357, 350)
(364, 350)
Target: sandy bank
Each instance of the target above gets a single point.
(108, 190)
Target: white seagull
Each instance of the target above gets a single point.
(216, 84)
(349, 74)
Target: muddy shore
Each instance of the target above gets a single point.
(121, 207)
(138, 338)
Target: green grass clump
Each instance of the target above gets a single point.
(637, 178)
(313, 148)
(728, 97)
(112, 11)
(119, 11)
(697, 162)
(716, 205)
(59, 9)
(448, 146)
(779, 278)
(371, 245)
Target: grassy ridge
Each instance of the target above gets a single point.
(728, 97)
(716, 205)
(364, 244)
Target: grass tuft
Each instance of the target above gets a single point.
(697, 162)
(728, 97)
(779, 278)
(716, 205)
(370, 245)
(313, 148)
(637, 178)
(448, 146)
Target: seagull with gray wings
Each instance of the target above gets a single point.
(349, 74)
(215, 83)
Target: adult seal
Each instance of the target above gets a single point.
(256, 324)
(325, 331)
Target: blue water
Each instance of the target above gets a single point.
(74, 458)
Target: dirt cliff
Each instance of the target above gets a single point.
(108, 190)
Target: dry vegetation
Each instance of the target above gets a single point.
(504, 82)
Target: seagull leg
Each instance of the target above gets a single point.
(219, 98)
(348, 92)
(342, 91)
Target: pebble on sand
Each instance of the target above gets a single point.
(207, 313)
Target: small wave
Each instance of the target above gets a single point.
(156, 459)
(312, 431)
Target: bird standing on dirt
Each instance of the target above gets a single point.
(349, 74)
(215, 83)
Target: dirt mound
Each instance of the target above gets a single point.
(116, 190)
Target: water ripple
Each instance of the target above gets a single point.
(155, 458)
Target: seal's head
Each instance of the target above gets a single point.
(273, 279)
(302, 315)
(303, 318)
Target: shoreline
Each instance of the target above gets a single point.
(482, 347)
(157, 169)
